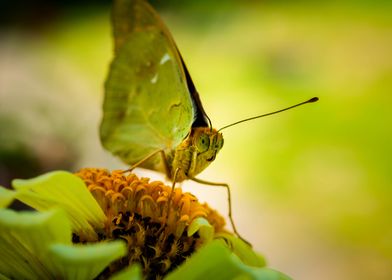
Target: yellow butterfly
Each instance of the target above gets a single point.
(152, 113)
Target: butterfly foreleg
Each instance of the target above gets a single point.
(170, 198)
(172, 191)
(147, 158)
(229, 201)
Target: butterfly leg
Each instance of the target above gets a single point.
(166, 165)
(229, 201)
(168, 173)
(147, 158)
(172, 191)
(169, 201)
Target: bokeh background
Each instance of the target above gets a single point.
(311, 187)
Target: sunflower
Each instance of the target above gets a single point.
(97, 224)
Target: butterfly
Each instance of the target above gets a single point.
(152, 113)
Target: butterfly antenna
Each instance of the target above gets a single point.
(209, 122)
(314, 99)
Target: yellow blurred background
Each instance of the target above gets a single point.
(311, 187)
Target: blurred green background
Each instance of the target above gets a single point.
(311, 187)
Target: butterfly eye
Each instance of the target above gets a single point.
(203, 143)
(219, 143)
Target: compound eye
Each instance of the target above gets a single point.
(219, 143)
(203, 143)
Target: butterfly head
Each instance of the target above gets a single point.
(206, 143)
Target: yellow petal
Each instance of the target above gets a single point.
(85, 261)
(131, 273)
(25, 238)
(6, 197)
(201, 225)
(67, 191)
(242, 250)
(216, 261)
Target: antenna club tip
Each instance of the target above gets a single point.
(314, 99)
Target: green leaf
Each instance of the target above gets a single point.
(67, 191)
(85, 261)
(216, 261)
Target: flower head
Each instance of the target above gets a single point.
(137, 212)
(97, 224)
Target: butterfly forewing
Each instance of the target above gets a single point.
(147, 104)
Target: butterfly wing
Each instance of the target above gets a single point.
(147, 104)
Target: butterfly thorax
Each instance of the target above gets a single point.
(195, 153)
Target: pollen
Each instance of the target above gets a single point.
(138, 212)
